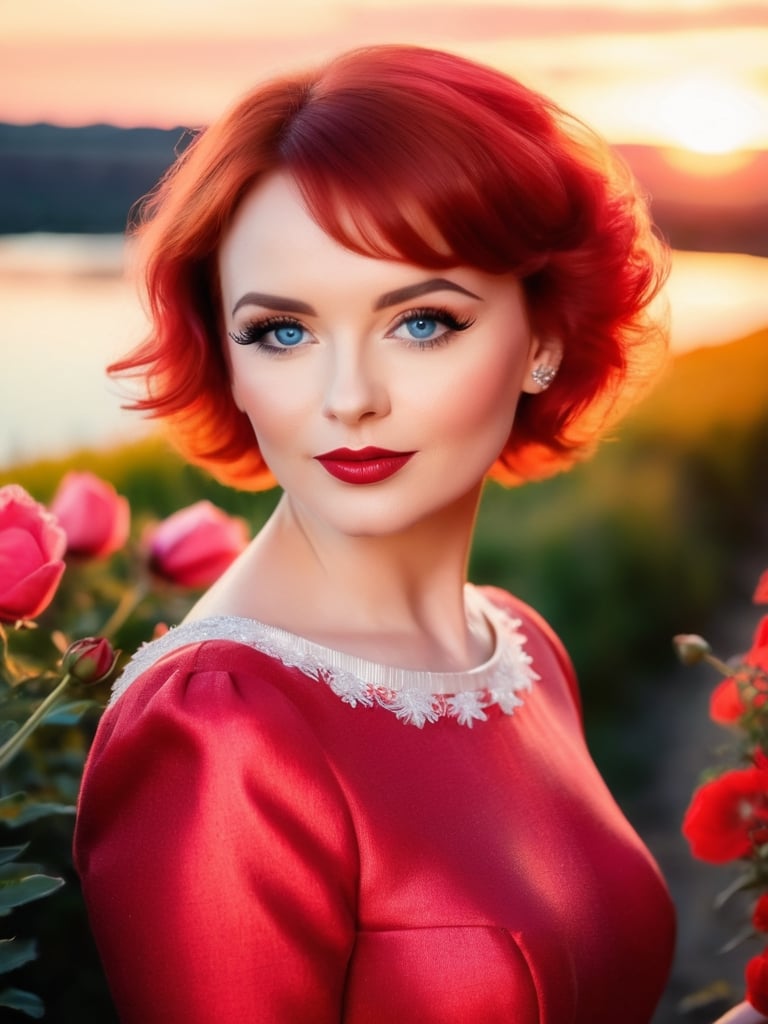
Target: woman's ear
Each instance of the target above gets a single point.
(543, 362)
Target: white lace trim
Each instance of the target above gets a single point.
(416, 697)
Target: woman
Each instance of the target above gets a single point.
(351, 786)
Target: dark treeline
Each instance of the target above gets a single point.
(79, 180)
(86, 180)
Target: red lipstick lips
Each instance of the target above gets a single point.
(364, 465)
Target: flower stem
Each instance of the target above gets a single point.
(722, 667)
(130, 599)
(11, 747)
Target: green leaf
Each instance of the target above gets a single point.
(10, 802)
(70, 713)
(8, 853)
(33, 887)
(739, 884)
(34, 811)
(15, 953)
(747, 932)
(25, 1002)
(14, 871)
(15, 810)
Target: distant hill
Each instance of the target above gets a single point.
(85, 180)
(708, 390)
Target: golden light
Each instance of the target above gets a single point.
(711, 116)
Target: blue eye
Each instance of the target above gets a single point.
(289, 334)
(273, 335)
(421, 328)
(428, 328)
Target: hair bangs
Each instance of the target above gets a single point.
(439, 197)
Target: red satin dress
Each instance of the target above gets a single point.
(272, 831)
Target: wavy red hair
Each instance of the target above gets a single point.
(382, 141)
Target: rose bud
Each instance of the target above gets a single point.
(95, 518)
(691, 649)
(195, 545)
(32, 546)
(90, 660)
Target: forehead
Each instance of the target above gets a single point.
(274, 235)
(277, 210)
(274, 238)
(273, 215)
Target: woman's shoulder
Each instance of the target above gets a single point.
(206, 721)
(199, 673)
(197, 689)
(215, 643)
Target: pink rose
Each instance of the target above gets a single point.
(95, 518)
(195, 545)
(32, 546)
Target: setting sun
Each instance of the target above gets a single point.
(711, 116)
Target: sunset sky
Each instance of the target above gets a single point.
(687, 72)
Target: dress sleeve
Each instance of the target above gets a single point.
(216, 852)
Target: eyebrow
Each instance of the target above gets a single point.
(412, 291)
(283, 304)
(278, 302)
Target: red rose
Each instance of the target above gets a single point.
(90, 660)
(760, 914)
(726, 705)
(728, 815)
(757, 982)
(734, 695)
(761, 591)
(95, 518)
(32, 546)
(194, 546)
(758, 652)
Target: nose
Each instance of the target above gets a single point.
(355, 387)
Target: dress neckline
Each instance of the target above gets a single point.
(416, 696)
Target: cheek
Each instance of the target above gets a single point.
(276, 407)
(484, 398)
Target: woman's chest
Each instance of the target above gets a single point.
(498, 879)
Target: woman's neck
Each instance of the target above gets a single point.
(367, 595)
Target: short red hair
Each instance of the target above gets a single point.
(379, 141)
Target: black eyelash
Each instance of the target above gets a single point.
(253, 333)
(441, 315)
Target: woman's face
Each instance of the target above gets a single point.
(380, 392)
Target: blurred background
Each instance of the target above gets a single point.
(665, 531)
